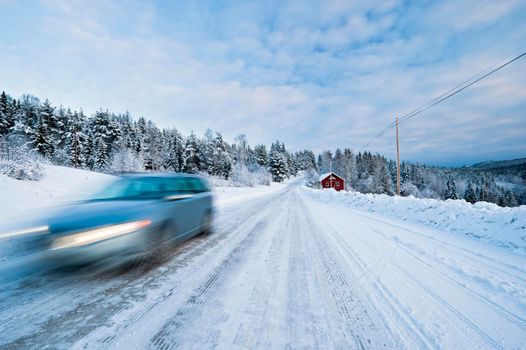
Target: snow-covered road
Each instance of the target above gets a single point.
(284, 271)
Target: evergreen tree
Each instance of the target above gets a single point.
(191, 160)
(173, 150)
(278, 163)
(451, 189)
(7, 120)
(261, 155)
(222, 164)
(101, 155)
(88, 153)
(74, 139)
(382, 180)
(42, 133)
(509, 199)
(470, 195)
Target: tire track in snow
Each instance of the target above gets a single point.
(235, 228)
(412, 279)
(483, 335)
(357, 313)
(256, 319)
(473, 256)
(482, 301)
(172, 333)
(423, 339)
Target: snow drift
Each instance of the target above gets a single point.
(504, 227)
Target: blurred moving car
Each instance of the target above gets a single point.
(134, 216)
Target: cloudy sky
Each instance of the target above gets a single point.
(314, 74)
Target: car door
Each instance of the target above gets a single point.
(200, 203)
(179, 199)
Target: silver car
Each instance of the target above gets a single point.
(133, 217)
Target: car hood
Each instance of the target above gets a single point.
(91, 214)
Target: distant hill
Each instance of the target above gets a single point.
(499, 164)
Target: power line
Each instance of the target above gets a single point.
(392, 124)
(450, 93)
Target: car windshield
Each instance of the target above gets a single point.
(143, 188)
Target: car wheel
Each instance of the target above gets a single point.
(207, 224)
(160, 246)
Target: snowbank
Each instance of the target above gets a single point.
(505, 227)
(58, 185)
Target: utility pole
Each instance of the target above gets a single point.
(397, 161)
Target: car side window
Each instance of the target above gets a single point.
(178, 185)
(196, 185)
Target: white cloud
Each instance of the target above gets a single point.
(316, 75)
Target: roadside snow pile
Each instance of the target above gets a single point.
(505, 227)
(18, 161)
(241, 177)
(24, 170)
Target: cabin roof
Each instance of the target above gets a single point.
(323, 176)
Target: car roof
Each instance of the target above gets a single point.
(159, 175)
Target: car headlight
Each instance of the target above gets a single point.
(39, 230)
(98, 234)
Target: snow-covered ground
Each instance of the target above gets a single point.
(286, 268)
(505, 227)
(59, 185)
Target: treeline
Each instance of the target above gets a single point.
(116, 143)
(373, 173)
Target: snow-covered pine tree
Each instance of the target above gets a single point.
(261, 155)
(153, 158)
(337, 164)
(74, 139)
(42, 140)
(416, 176)
(101, 159)
(349, 167)
(208, 151)
(7, 119)
(509, 199)
(191, 159)
(222, 163)
(240, 149)
(325, 163)
(42, 136)
(305, 160)
(470, 195)
(451, 189)
(88, 154)
(278, 163)
(382, 180)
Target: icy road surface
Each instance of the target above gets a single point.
(283, 271)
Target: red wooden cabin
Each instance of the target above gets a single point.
(331, 180)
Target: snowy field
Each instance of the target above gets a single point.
(287, 267)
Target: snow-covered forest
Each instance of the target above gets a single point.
(503, 184)
(32, 131)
